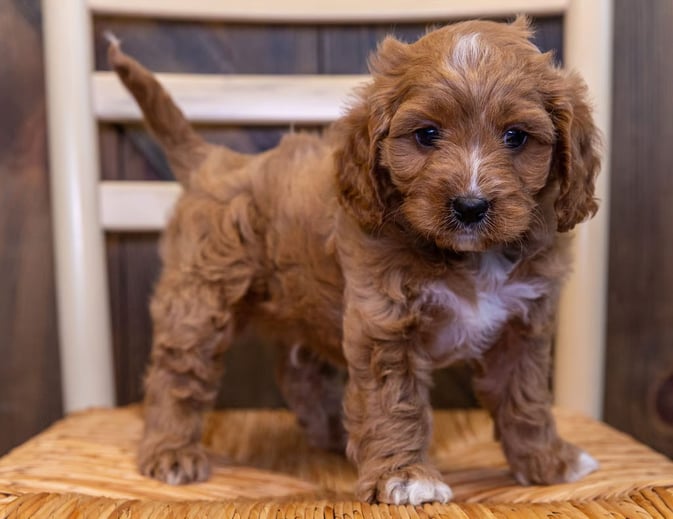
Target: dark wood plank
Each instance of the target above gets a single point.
(639, 368)
(212, 48)
(133, 265)
(30, 397)
(548, 35)
(346, 48)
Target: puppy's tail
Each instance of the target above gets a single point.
(185, 149)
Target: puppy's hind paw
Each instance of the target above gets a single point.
(176, 466)
(566, 464)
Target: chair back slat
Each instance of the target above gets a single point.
(332, 11)
(235, 99)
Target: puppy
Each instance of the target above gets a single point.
(423, 228)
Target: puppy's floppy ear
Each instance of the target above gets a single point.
(360, 176)
(577, 159)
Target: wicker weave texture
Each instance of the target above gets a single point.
(654, 503)
(262, 466)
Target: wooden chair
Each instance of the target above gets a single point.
(84, 208)
(91, 452)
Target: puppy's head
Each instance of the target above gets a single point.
(464, 134)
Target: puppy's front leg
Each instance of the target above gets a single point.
(513, 385)
(388, 415)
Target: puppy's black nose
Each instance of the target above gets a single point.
(470, 210)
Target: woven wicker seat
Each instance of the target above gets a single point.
(84, 466)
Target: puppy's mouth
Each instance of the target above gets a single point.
(467, 239)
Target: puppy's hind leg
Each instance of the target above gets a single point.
(313, 389)
(192, 329)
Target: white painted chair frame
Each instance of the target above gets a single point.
(84, 207)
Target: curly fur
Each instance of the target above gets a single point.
(346, 250)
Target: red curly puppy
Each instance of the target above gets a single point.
(424, 227)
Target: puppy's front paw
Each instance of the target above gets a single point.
(399, 491)
(584, 465)
(175, 466)
(564, 465)
(412, 485)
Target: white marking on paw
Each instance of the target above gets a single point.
(174, 478)
(521, 479)
(585, 465)
(417, 491)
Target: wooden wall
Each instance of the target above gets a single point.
(29, 369)
(640, 326)
(639, 368)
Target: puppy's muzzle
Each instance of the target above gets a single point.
(469, 211)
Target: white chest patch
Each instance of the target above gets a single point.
(467, 326)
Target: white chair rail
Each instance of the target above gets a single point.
(235, 99)
(327, 11)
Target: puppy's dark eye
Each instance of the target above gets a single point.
(427, 136)
(514, 138)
